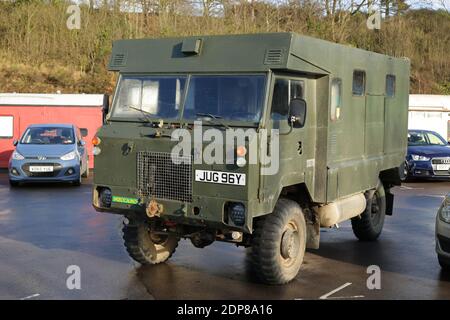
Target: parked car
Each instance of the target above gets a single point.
(49, 152)
(443, 234)
(428, 156)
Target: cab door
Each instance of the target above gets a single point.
(296, 144)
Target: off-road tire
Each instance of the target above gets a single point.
(444, 263)
(86, 172)
(266, 257)
(368, 225)
(141, 247)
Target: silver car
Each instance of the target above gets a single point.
(443, 234)
(49, 153)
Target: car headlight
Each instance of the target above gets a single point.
(17, 156)
(444, 213)
(417, 157)
(69, 156)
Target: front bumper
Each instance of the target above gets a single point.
(209, 212)
(427, 170)
(442, 238)
(19, 170)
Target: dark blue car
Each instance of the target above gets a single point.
(428, 156)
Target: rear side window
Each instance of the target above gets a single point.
(359, 83)
(336, 99)
(6, 126)
(390, 86)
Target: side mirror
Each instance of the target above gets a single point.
(84, 132)
(297, 113)
(105, 109)
(15, 143)
(82, 143)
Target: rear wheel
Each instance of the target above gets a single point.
(86, 172)
(145, 246)
(278, 244)
(368, 225)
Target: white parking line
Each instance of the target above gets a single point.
(325, 296)
(30, 297)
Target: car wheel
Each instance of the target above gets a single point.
(444, 262)
(404, 172)
(86, 172)
(13, 183)
(77, 182)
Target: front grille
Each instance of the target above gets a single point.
(160, 177)
(440, 160)
(444, 243)
(56, 169)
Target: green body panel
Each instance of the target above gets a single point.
(337, 159)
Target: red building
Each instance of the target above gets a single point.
(17, 111)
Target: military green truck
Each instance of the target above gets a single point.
(335, 119)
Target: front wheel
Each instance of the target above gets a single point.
(404, 172)
(444, 262)
(278, 244)
(369, 224)
(13, 184)
(146, 247)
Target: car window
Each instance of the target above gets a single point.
(435, 139)
(417, 138)
(48, 135)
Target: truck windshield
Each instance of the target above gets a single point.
(224, 97)
(228, 97)
(158, 97)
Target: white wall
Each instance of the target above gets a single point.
(429, 112)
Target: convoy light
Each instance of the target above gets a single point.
(240, 162)
(69, 156)
(241, 151)
(105, 198)
(17, 156)
(96, 151)
(417, 157)
(445, 213)
(236, 212)
(96, 141)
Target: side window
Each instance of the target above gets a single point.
(390, 86)
(359, 83)
(336, 99)
(6, 126)
(283, 92)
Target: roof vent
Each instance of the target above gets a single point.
(191, 46)
(274, 56)
(118, 60)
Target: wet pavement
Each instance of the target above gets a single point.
(46, 228)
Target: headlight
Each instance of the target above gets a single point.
(17, 156)
(417, 157)
(69, 156)
(236, 211)
(445, 212)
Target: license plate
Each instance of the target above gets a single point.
(232, 178)
(443, 167)
(41, 169)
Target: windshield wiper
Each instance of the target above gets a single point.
(214, 117)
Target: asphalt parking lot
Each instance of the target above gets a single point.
(46, 228)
